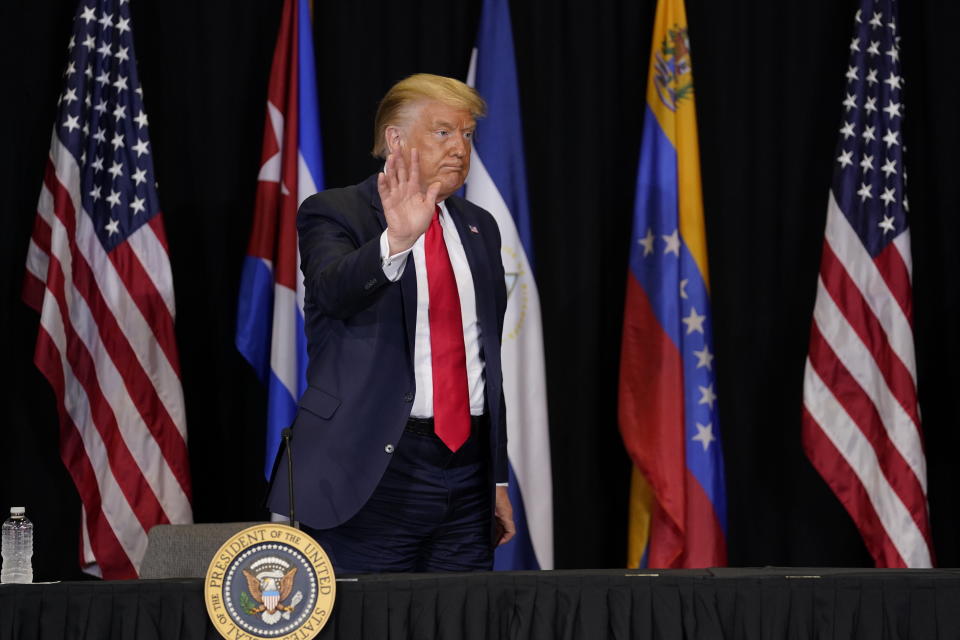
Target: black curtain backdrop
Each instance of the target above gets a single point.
(769, 77)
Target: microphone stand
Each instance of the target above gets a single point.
(286, 434)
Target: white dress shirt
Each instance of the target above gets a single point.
(393, 267)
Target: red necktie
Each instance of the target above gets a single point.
(451, 403)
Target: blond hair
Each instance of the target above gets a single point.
(394, 109)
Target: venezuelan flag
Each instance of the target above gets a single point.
(668, 395)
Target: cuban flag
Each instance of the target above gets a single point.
(270, 308)
(668, 395)
(497, 182)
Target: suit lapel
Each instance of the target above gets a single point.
(479, 268)
(408, 291)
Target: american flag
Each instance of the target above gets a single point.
(99, 275)
(861, 423)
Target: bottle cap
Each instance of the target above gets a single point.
(17, 511)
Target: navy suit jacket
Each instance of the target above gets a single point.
(360, 334)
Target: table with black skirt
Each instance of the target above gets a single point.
(767, 603)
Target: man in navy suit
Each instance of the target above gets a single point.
(400, 438)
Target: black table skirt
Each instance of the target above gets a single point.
(731, 603)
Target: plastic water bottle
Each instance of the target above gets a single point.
(17, 548)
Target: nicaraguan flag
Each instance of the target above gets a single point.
(668, 395)
(497, 182)
(270, 309)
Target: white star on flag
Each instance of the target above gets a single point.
(707, 396)
(889, 167)
(694, 321)
(704, 435)
(704, 358)
(672, 243)
(888, 197)
(647, 242)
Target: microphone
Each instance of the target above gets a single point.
(286, 434)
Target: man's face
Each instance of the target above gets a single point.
(442, 135)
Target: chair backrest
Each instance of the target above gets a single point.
(185, 550)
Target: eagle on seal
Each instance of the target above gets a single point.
(269, 591)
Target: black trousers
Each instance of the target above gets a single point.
(430, 512)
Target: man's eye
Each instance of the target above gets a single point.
(443, 133)
(468, 135)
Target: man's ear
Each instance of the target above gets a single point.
(394, 138)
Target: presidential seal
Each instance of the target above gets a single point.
(269, 581)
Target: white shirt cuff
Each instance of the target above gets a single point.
(503, 484)
(392, 265)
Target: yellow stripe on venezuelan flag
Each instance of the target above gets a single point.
(641, 513)
(670, 96)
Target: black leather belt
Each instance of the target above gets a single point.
(424, 426)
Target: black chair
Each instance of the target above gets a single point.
(185, 550)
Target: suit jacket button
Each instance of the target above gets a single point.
(388, 448)
(408, 397)
(370, 283)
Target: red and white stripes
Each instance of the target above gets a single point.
(861, 422)
(106, 345)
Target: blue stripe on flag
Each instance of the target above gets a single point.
(518, 553)
(699, 383)
(500, 138)
(255, 314)
(309, 139)
(656, 212)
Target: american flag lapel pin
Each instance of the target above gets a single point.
(473, 229)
